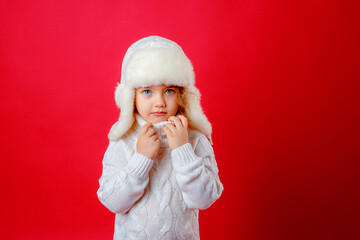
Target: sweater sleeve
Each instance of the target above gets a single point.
(197, 174)
(122, 182)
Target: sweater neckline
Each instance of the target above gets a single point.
(158, 127)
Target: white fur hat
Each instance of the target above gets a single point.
(153, 61)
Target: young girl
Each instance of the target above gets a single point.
(158, 173)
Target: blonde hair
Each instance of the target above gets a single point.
(180, 94)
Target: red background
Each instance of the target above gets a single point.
(279, 81)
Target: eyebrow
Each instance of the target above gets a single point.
(142, 88)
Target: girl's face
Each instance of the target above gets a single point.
(156, 103)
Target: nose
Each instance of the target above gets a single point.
(159, 101)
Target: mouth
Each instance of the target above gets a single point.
(158, 113)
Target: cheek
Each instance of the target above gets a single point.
(174, 103)
(140, 103)
(136, 102)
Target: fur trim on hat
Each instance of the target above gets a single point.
(124, 97)
(159, 66)
(196, 117)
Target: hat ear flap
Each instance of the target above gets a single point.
(124, 97)
(118, 94)
(194, 112)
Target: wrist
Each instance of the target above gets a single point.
(151, 156)
(184, 155)
(178, 145)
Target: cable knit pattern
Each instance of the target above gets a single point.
(158, 199)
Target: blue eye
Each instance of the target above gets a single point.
(170, 91)
(147, 92)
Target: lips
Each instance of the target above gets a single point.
(158, 113)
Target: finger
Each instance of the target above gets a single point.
(150, 132)
(169, 134)
(170, 127)
(183, 120)
(167, 131)
(145, 128)
(154, 137)
(176, 121)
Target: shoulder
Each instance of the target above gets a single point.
(196, 138)
(127, 140)
(200, 144)
(120, 150)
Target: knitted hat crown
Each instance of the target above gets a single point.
(153, 61)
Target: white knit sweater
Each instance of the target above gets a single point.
(158, 199)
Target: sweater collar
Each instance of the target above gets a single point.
(158, 127)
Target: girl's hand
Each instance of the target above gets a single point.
(148, 143)
(177, 134)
